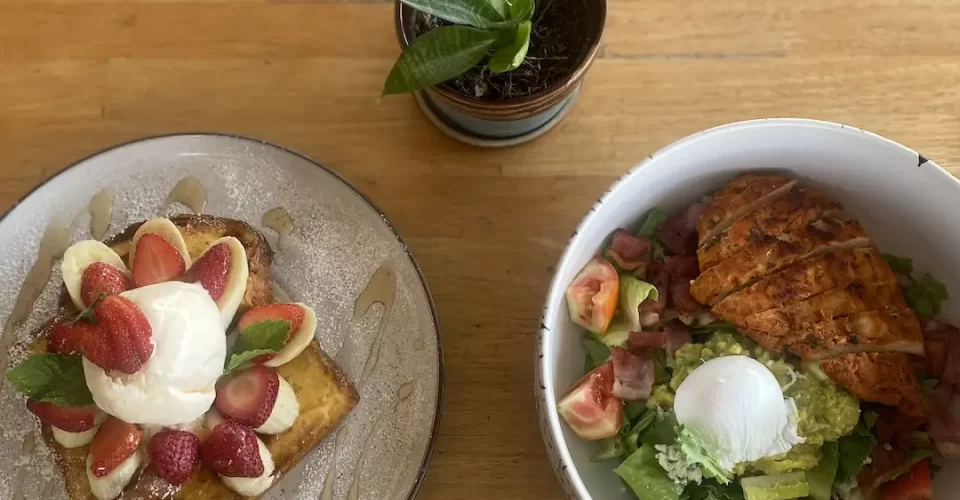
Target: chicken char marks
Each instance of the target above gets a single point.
(782, 264)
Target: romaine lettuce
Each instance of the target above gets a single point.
(821, 477)
(646, 478)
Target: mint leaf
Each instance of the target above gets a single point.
(900, 265)
(654, 218)
(262, 337)
(52, 378)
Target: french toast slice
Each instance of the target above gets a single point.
(323, 391)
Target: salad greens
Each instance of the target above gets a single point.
(924, 294)
(822, 477)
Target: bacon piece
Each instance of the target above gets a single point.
(630, 252)
(633, 373)
(676, 335)
(679, 233)
(652, 311)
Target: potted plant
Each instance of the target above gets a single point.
(495, 72)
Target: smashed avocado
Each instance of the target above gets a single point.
(661, 396)
(825, 412)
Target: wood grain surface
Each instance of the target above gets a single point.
(488, 226)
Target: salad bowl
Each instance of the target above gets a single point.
(903, 200)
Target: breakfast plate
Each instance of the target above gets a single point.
(335, 259)
(758, 311)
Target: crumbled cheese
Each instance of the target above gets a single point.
(675, 463)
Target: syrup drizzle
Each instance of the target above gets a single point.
(101, 211)
(382, 289)
(54, 242)
(280, 221)
(327, 493)
(190, 192)
(29, 444)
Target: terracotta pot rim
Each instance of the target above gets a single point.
(519, 105)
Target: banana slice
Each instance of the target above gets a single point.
(299, 340)
(212, 419)
(237, 275)
(69, 439)
(76, 260)
(112, 485)
(253, 486)
(165, 229)
(285, 411)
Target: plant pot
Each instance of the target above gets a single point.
(510, 121)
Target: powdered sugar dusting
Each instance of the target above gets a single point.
(327, 260)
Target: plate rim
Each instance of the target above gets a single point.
(435, 427)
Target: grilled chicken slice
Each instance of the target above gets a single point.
(886, 378)
(738, 198)
(871, 331)
(783, 215)
(768, 255)
(835, 303)
(805, 279)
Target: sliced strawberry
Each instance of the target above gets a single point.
(66, 418)
(156, 261)
(231, 450)
(286, 312)
(249, 396)
(101, 278)
(66, 337)
(115, 442)
(123, 339)
(211, 270)
(175, 455)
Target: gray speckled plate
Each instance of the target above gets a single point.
(392, 352)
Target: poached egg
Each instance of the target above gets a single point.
(177, 384)
(736, 406)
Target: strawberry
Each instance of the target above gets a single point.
(211, 270)
(175, 455)
(232, 450)
(115, 442)
(155, 261)
(67, 418)
(66, 337)
(286, 312)
(123, 339)
(249, 396)
(102, 278)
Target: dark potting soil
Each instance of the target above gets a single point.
(557, 41)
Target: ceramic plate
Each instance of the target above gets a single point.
(906, 202)
(340, 243)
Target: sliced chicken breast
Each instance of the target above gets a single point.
(783, 215)
(835, 303)
(885, 378)
(805, 279)
(738, 198)
(768, 255)
(872, 331)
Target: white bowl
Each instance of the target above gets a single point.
(907, 203)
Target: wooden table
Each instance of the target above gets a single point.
(488, 226)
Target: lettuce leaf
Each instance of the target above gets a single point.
(924, 294)
(641, 472)
(853, 449)
(632, 293)
(654, 218)
(691, 444)
(597, 352)
(782, 487)
(709, 489)
(821, 477)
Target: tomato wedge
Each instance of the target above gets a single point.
(589, 406)
(592, 297)
(914, 485)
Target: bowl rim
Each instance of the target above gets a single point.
(434, 315)
(552, 431)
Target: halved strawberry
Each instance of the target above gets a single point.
(115, 442)
(66, 337)
(122, 341)
(101, 278)
(175, 455)
(67, 418)
(156, 261)
(286, 312)
(232, 450)
(248, 397)
(211, 270)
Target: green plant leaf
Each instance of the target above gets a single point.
(501, 6)
(477, 13)
(521, 10)
(437, 56)
(262, 337)
(510, 57)
(52, 378)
